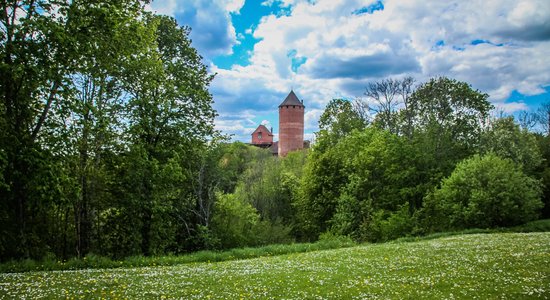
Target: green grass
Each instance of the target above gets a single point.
(329, 242)
(484, 266)
(94, 261)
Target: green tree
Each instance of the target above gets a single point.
(505, 138)
(380, 182)
(448, 117)
(34, 61)
(234, 221)
(339, 119)
(170, 116)
(484, 192)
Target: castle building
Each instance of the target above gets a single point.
(291, 128)
(291, 124)
(262, 137)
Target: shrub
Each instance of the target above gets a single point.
(485, 192)
(234, 221)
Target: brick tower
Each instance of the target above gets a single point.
(291, 124)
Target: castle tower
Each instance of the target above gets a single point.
(291, 124)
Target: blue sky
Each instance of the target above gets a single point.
(325, 49)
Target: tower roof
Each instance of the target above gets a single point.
(291, 99)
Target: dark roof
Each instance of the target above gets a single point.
(291, 99)
(263, 129)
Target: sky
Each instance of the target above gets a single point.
(326, 49)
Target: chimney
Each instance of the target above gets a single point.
(271, 129)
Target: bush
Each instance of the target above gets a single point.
(484, 192)
(385, 225)
(234, 221)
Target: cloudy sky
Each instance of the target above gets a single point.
(325, 49)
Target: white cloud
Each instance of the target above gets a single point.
(234, 6)
(311, 119)
(497, 46)
(210, 20)
(511, 107)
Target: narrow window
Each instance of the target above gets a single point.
(260, 135)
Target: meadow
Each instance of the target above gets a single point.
(474, 266)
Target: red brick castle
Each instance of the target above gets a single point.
(291, 128)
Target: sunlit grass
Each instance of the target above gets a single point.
(499, 265)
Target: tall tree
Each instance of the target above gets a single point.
(170, 114)
(105, 33)
(384, 99)
(339, 119)
(34, 61)
(448, 117)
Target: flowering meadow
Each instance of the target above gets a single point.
(477, 266)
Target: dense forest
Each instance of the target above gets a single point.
(107, 146)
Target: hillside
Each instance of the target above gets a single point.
(508, 265)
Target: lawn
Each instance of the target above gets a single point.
(498, 265)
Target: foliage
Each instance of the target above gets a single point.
(447, 117)
(507, 140)
(484, 192)
(102, 107)
(92, 261)
(543, 172)
(108, 149)
(338, 120)
(344, 187)
(234, 221)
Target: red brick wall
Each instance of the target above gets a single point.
(267, 137)
(291, 128)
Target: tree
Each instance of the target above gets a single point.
(170, 117)
(383, 100)
(35, 59)
(338, 120)
(384, 96)
(543, 117)
(379, 182)
(448, 117)
(527, 120)
(105, 33)
(485, 192)
(505, 138)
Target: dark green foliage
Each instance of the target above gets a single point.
(103, 106)
(484, 192)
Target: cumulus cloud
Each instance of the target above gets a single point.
(326, 49)
(212, 31)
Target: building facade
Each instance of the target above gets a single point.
(291, 128)
(291, 124)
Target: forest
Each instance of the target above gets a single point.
(108, 147)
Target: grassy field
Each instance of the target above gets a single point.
(499, 265)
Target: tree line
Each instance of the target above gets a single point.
(107, 147)
(105, 116)
(405, 160)
(412, 160)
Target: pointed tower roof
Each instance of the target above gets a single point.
(291, 99)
